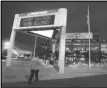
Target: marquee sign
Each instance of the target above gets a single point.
(41, 19)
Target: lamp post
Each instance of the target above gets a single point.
(99, 50)
(88, 23)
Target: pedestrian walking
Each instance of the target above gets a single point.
(35, 66)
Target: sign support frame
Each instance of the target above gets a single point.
(60, 22)
(12, 40)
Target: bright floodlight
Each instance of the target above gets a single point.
(6, 45)
(47, 33)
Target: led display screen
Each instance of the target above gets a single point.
(37, 21)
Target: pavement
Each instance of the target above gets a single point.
(74, 76)
(87, 81)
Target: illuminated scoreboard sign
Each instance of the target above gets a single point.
(37, 21)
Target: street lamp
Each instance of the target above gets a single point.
(6, 45)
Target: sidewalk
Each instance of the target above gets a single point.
(21, 74)
(87, 81)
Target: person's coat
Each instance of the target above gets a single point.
(36, 63)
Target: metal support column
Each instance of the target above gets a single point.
(35, 46)
(62, 49)
(9, 55)
(53, 49)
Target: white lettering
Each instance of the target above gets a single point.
(34, 13)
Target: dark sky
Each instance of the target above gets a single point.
(76, 20)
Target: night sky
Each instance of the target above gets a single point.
(76, 19)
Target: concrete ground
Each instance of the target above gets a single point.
(87, 81)
(74, 76)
